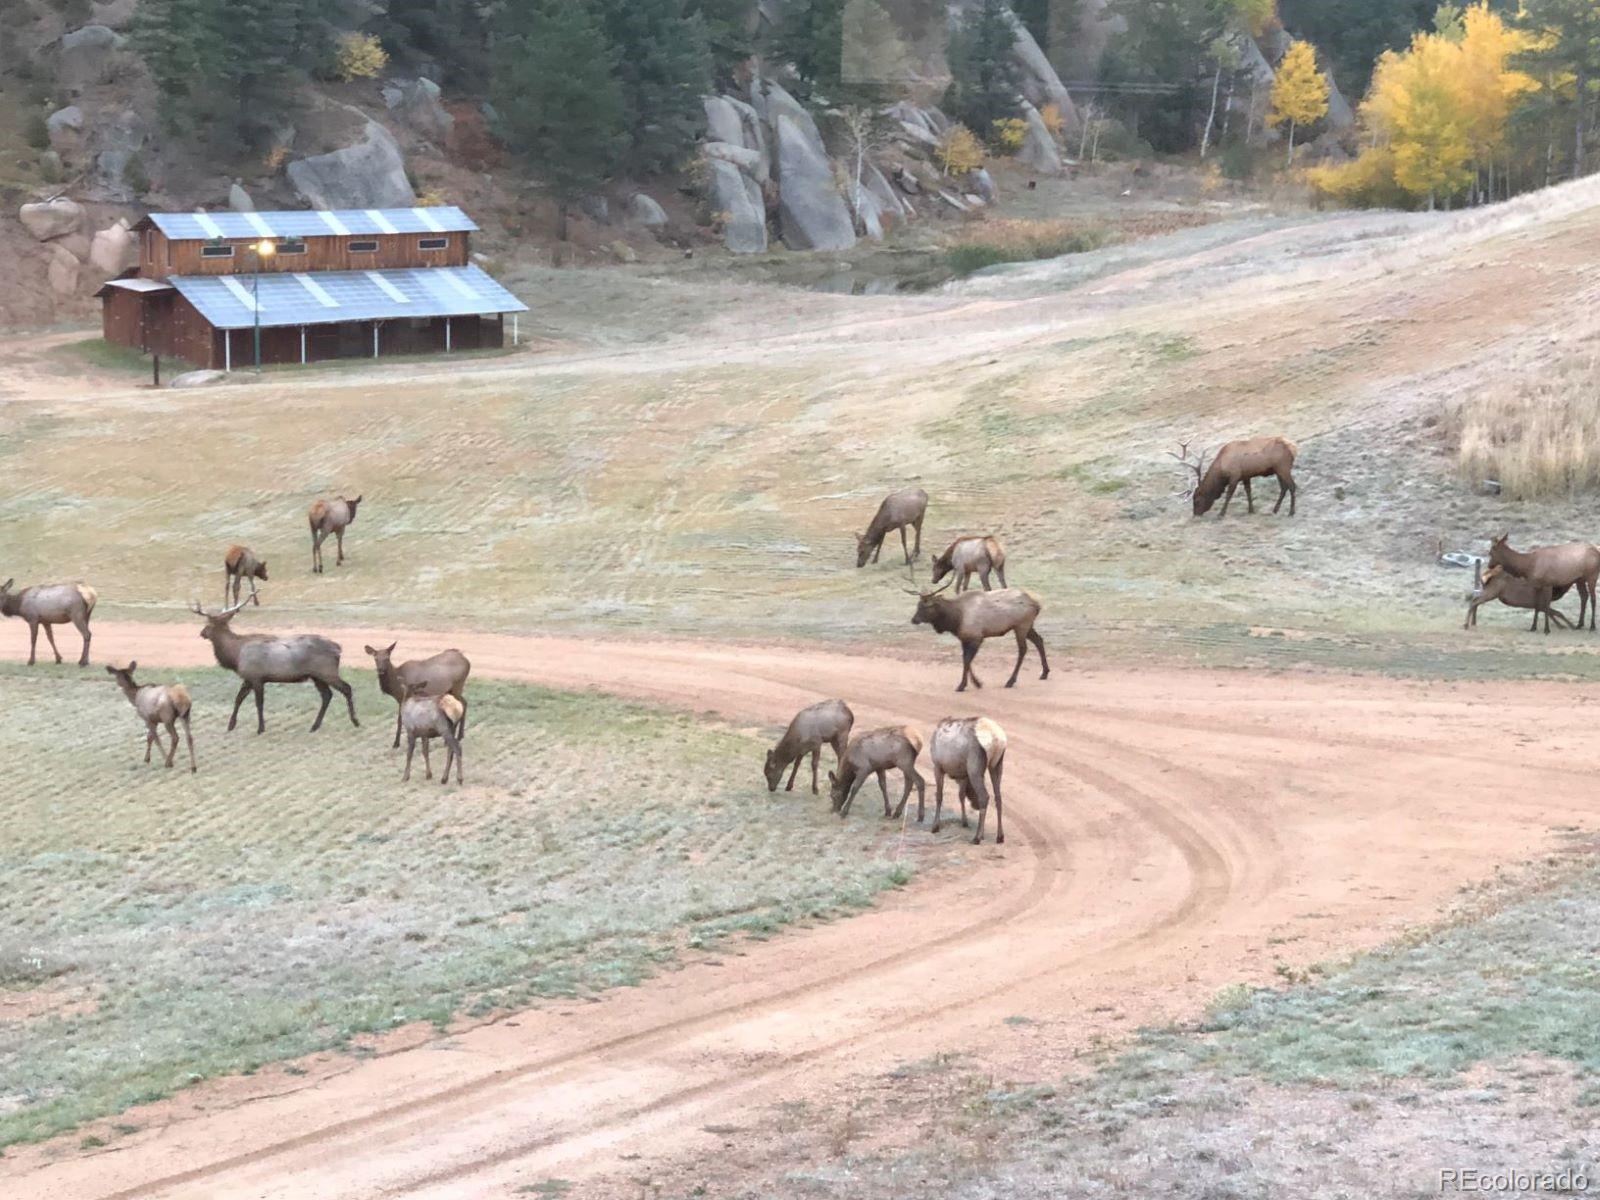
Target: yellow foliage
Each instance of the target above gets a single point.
(1009, 134)
(431, 197)
(1369, 179)
(1299, 92)
(1050, 114)
(959, 151)
(275, 158)
(359, 56)
(1255, 15)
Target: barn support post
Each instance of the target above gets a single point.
(302, 345)
(227, 350)
(447, 335)
(375, 339)
(514, 340)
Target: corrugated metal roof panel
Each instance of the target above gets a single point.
(328, 297)
(312, 223)
(137, 285)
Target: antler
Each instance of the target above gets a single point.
(1198, 466)
(194, 607)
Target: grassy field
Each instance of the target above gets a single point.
(158, 928)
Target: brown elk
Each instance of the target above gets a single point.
(48, 605)
(976, 616)
(445, 674)
(1575, 564)
(971, 556)
(876, 753)
(1498, 584)
(259, 659)
(158, 706)
(330, 517)
(827, 722)
(898, 511)
(425, 718)
(239, 564)
(967, 749)
(1240, 462)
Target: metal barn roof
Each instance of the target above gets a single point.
(205, 226)
(328, 297)
(136, 285)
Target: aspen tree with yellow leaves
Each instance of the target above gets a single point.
(1299, 93)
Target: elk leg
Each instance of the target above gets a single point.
(850, 796)
(82, 625)
(338, 537)
(1001, 571)
(938, 800)
(883, 786)
(905, 546)
(985, 578)
(427, 761)
(789, 787)
(1283, 490)
(261, 708)
(50, 636)
(326, 693)
(452, 755)
(1228, 499)
(188, 733)
(816, 756)
(877, 550)
(316, 552)
(999, 815)
(33, 641)
(1038, 644)
(343, 689)
(172, 750)
(1022, 653)
(411, 748)
(399, 717)
(912, 779)
(963, 790)
(916, 551)
(1249, 497)
(149, 740)
(969, 651)
(244, 690)
(461, 725)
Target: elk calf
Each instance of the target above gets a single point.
(330, 517)
(875, 753)
(240, 564)
(1499, 584)
(158, 706)
(443, 674)
(425, 718)
(826, 722)
(259, 659)
(1575, 564)
(966, 750)
(971, 556)
(1240, 462)
(898, 510)
(48, 605)
(976, 616)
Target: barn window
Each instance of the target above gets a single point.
(292, 247)
(216, 251)
(434, 243)
(363, 247)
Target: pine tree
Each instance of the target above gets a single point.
(1565, 44)
(559, 103)
(730, 27)
(663, 68)
(1157, 62)
(453, 33)
(983, 74)
(1299, 91)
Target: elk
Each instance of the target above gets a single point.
(894, 746)
(48, 605)
(977, 616)
(259, 659)
(898, 510)
(1575, 564)
(330, 517)
(445, 674)
(1236, 463)
(826, 722)
(1498, 584)
(966, 749)
(970, 556)
(426, 717)
(239, 564)
(158, 706)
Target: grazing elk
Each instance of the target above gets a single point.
(259, 659)
(976, 616)
(966, 749)
(826, 722)
(48, 605)
(426, 717)
(330, 517)
(1240, 462)
(1575, 564)
(1498, 584)
(971, 556)
(240, 564)
(158, 706)
(445, 674)
(875, 753)
(898, 510)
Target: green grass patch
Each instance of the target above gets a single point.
(1014, 246)
(101, 355)
(295, 894)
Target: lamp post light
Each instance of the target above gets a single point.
(264, 249)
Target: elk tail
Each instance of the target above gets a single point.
(1294, 451)
(319, 510)
(912, 736)
(993, 740)
(231, 560)
(90, 596)
(179, 695)
(452, 709)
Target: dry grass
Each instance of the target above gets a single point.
(1537, 433)
(989, 243)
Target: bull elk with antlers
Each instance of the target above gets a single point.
(1236, 463)
(259, 659)
(974, 617)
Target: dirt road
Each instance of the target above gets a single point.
(1170, 833)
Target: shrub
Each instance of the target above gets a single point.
(37, 131)
(959, 152)
(997, 242)
(135, 176)
(1009, 134)
(1050, 114)
(359, 56)
(1537, 432)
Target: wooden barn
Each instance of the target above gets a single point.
(310, 285)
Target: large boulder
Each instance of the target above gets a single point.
(369, 174)
(811, 213)
(889, 200)
(645, 212)
(116, 143)
(239, 200)
(52, 218)
(748, 161)
(1039, 149)
(64, 271)
(771, 102)
(86, 56)
(732, 122)
(417, 103)
(737, 198)
(65, 127)
(1038, 78)
(722, 120)
(114, 250)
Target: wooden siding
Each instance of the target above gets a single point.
(161, 258)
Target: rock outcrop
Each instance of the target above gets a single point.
(52, 219)
(64, 271)
(738, 202)
(811, 213)
(369, 174)
(239, 200)
(1039, 149)
(418, 104)
(114, 250)
(65, 127)
(644, 211)
(86, 57)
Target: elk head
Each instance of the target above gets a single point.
(1198, 466)
(216, 621)
(352, 504)
(863, 550)
(8, 599)
(261, 572)
(773, 770)
(941, 566)
(384, 658)
(930, 606)
(835, 790)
